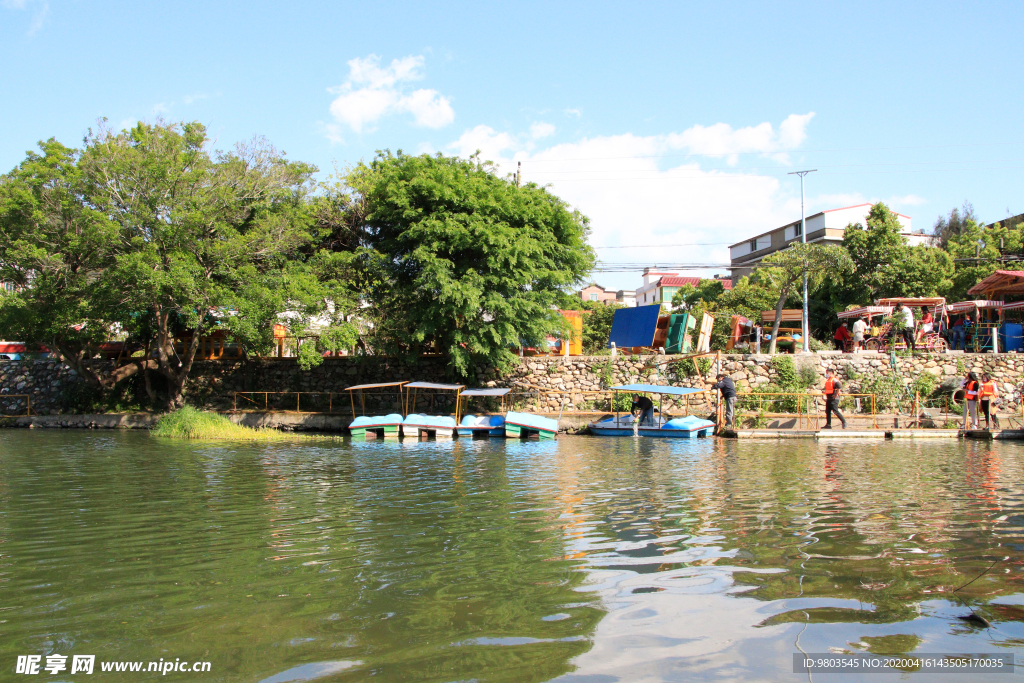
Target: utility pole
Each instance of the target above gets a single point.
(803, 240)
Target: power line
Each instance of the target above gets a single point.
(660, 246)
(711, 175)
(775, 151)
(760, 168)
(637, 267)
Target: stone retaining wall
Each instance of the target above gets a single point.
(547, 384)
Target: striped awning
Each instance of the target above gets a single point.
(866, 311)
(967, 306)
(1015, 306)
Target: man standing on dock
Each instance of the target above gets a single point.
(728, 389)
(832, 388)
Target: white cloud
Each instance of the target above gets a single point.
(722, 140)
(541, 130)
(428, 108)
(573, 112)
(332, 132)
(195, 97)
(487, 141)
(906, 200)
(372, 92)
(632, 197)
(41, 10)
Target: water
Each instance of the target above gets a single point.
(586, 559)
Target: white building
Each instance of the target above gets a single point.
(824, 227)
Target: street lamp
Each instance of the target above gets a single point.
(803, 240)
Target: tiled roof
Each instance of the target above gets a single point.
(694, 281)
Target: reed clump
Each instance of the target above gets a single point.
(189, 423)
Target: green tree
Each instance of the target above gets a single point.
(877, 251)
(978, 253)
(148, 232)
(705, 295)
(597, 325)
(470, 264)
(784, 269)
(948, 227)
(54, 246)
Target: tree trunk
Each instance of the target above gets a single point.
(175, 368)
(778, 317)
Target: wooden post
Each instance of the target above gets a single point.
(352, 398)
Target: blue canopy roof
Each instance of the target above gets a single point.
(657, 389)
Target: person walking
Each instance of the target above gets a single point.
(989, 393)
(909, 333)
(832, 388)
(859, 329)
(972, 389)
(645, 406)
(728, 389)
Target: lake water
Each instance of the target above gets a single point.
(584, 559)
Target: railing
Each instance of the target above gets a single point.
(802, 406)
(250, 401)
(304, 401)
(28, 403)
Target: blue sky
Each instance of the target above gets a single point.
(665, 123)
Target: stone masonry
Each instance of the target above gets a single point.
(546, 384)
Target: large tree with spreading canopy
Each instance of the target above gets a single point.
(468, 264)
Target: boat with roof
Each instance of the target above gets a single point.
(663, 426)
(483, 425)
(365, 426)
(423, 425)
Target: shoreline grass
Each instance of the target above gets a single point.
(190, 423)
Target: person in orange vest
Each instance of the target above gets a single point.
(832, 388)
(972, 389)
(989, 392)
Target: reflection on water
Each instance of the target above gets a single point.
(585, 558)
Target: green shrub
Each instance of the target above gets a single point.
(190, 423)
(889, 390)
(686, 368)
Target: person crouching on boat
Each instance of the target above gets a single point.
(646, 408)
(728, 389)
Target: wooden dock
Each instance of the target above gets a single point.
(862, 434)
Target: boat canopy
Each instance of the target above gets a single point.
(431, 385)
(360, 387)
(657, 389)
(961, 306)
(912, 302)
(485, 392)
(863, 311)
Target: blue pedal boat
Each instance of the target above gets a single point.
(689, 427)
(376, 426)
(442, 427)
(366, 426)
(526, 424)
(482, 425)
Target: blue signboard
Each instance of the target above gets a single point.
(634, 326)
